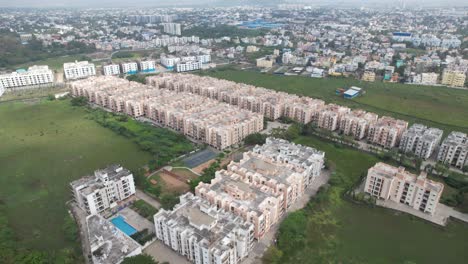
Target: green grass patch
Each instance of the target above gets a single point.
(144, 209)
(54, 63)
(43, 147)
(440, 107)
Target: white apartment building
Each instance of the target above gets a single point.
(169, 61)
(148, 66)
(2, 89)
(106, 189)
(111, 69)
(429, 78)
(203, 233)
(129, 67)
(420, 140)
(78, 70)
(188, 66)
(35, 75)
(391, 183)
(172, 28)
(454, 150)
(204, 58)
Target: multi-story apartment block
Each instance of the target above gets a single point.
(304, 109)
(203, 233)
(330, 116)
(188, 66)
(169, 61)
(420, 140)
(429, 78)
(264, 183)
(387, 131)
(356, 123)
(35, 75)
(391, 183)
(106, 189)
(454, 150)
(203, 58)
(172, 28)
(368, 76)
(129, 67)
(218, 124)
(453, 78)
(2, 89)
(111, 69)
(148, 66)
(78, 70)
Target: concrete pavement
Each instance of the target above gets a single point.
(145, 197)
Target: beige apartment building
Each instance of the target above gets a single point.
(453, 78)
(204, 234)
(304, 109)
(391, 183)
(265, 183)
(386, 132)
(356, 123)
(368, 76)
(330, 116)
(218, 124)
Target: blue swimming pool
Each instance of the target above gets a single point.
(120, 223)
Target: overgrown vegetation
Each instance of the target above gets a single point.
(144, 209)
(255, 139)
(143, 236)
(140, 259)
(220, 31)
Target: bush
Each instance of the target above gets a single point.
(79, 101)
(144, 209)
(168, 201)
(255, 139)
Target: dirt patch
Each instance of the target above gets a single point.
(173, 184)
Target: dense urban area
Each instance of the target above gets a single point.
(234, 134)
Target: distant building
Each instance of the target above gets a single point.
(251, 49)
(420, 140)
(391, 183)
(108, 244)
(203, 233)
(387, 131)
(35, 75)
(172, 28)
(265, 62)
(106, 189)
(429, 78)
(129, 67)
(368, 76)
(78, 70)
(148, 66)
(454, 150)
(402, 36)
(188, 66)
(169, 61)
(111, 69)
(453, 78)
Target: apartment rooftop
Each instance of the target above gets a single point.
(456, 138)
(89, 184)
(427, 134)
(68, 65)
(108, 244)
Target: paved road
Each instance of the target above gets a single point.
(145, 197)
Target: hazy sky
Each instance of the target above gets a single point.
(136, 3)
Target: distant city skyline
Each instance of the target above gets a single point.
(208, 3)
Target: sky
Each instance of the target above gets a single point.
(137, 3)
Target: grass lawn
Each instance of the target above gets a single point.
(43, 147)
(364, 234)
(441, 107)
(55, 63)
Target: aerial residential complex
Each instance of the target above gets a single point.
(265, 183)
(78, 70)
(111, 69)
(203, 233)
(106, 189)
(453, 78)
(330, 116)
(129, 67)
(356, 123)
(218, 124)
(421, 140)
(454, 150)
(391, 183)
(35, 75)
(240, 204)
(172, 28)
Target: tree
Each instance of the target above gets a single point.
(70, 229)
(79, 101)
(272, 256)
(169, 200)
(140, 259)
(255, 139)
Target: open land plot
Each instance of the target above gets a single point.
(55, 63)
(174, 181)
(337, 230)
(43, 147)
(441, 107)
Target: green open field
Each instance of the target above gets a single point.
(43, 147)
(441, 107)
(340, 231)
(55, 63)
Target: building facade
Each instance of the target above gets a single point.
(111, 69)
(148, 66)
(35, 75)
(454, 150)
(453, 78)
(188, 66)
(172, 28)
(106, 189)
(420, 140)
(391, 183)
(386, 132)
(78, 70)
(129, 67)
(356, 123)
(203, 233)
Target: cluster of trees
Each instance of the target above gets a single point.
(141, 259)
(12, 52)
(143, 236)
(12, 252)
(144, 209)
(208, 173)
(163, 144)
(220, 31)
